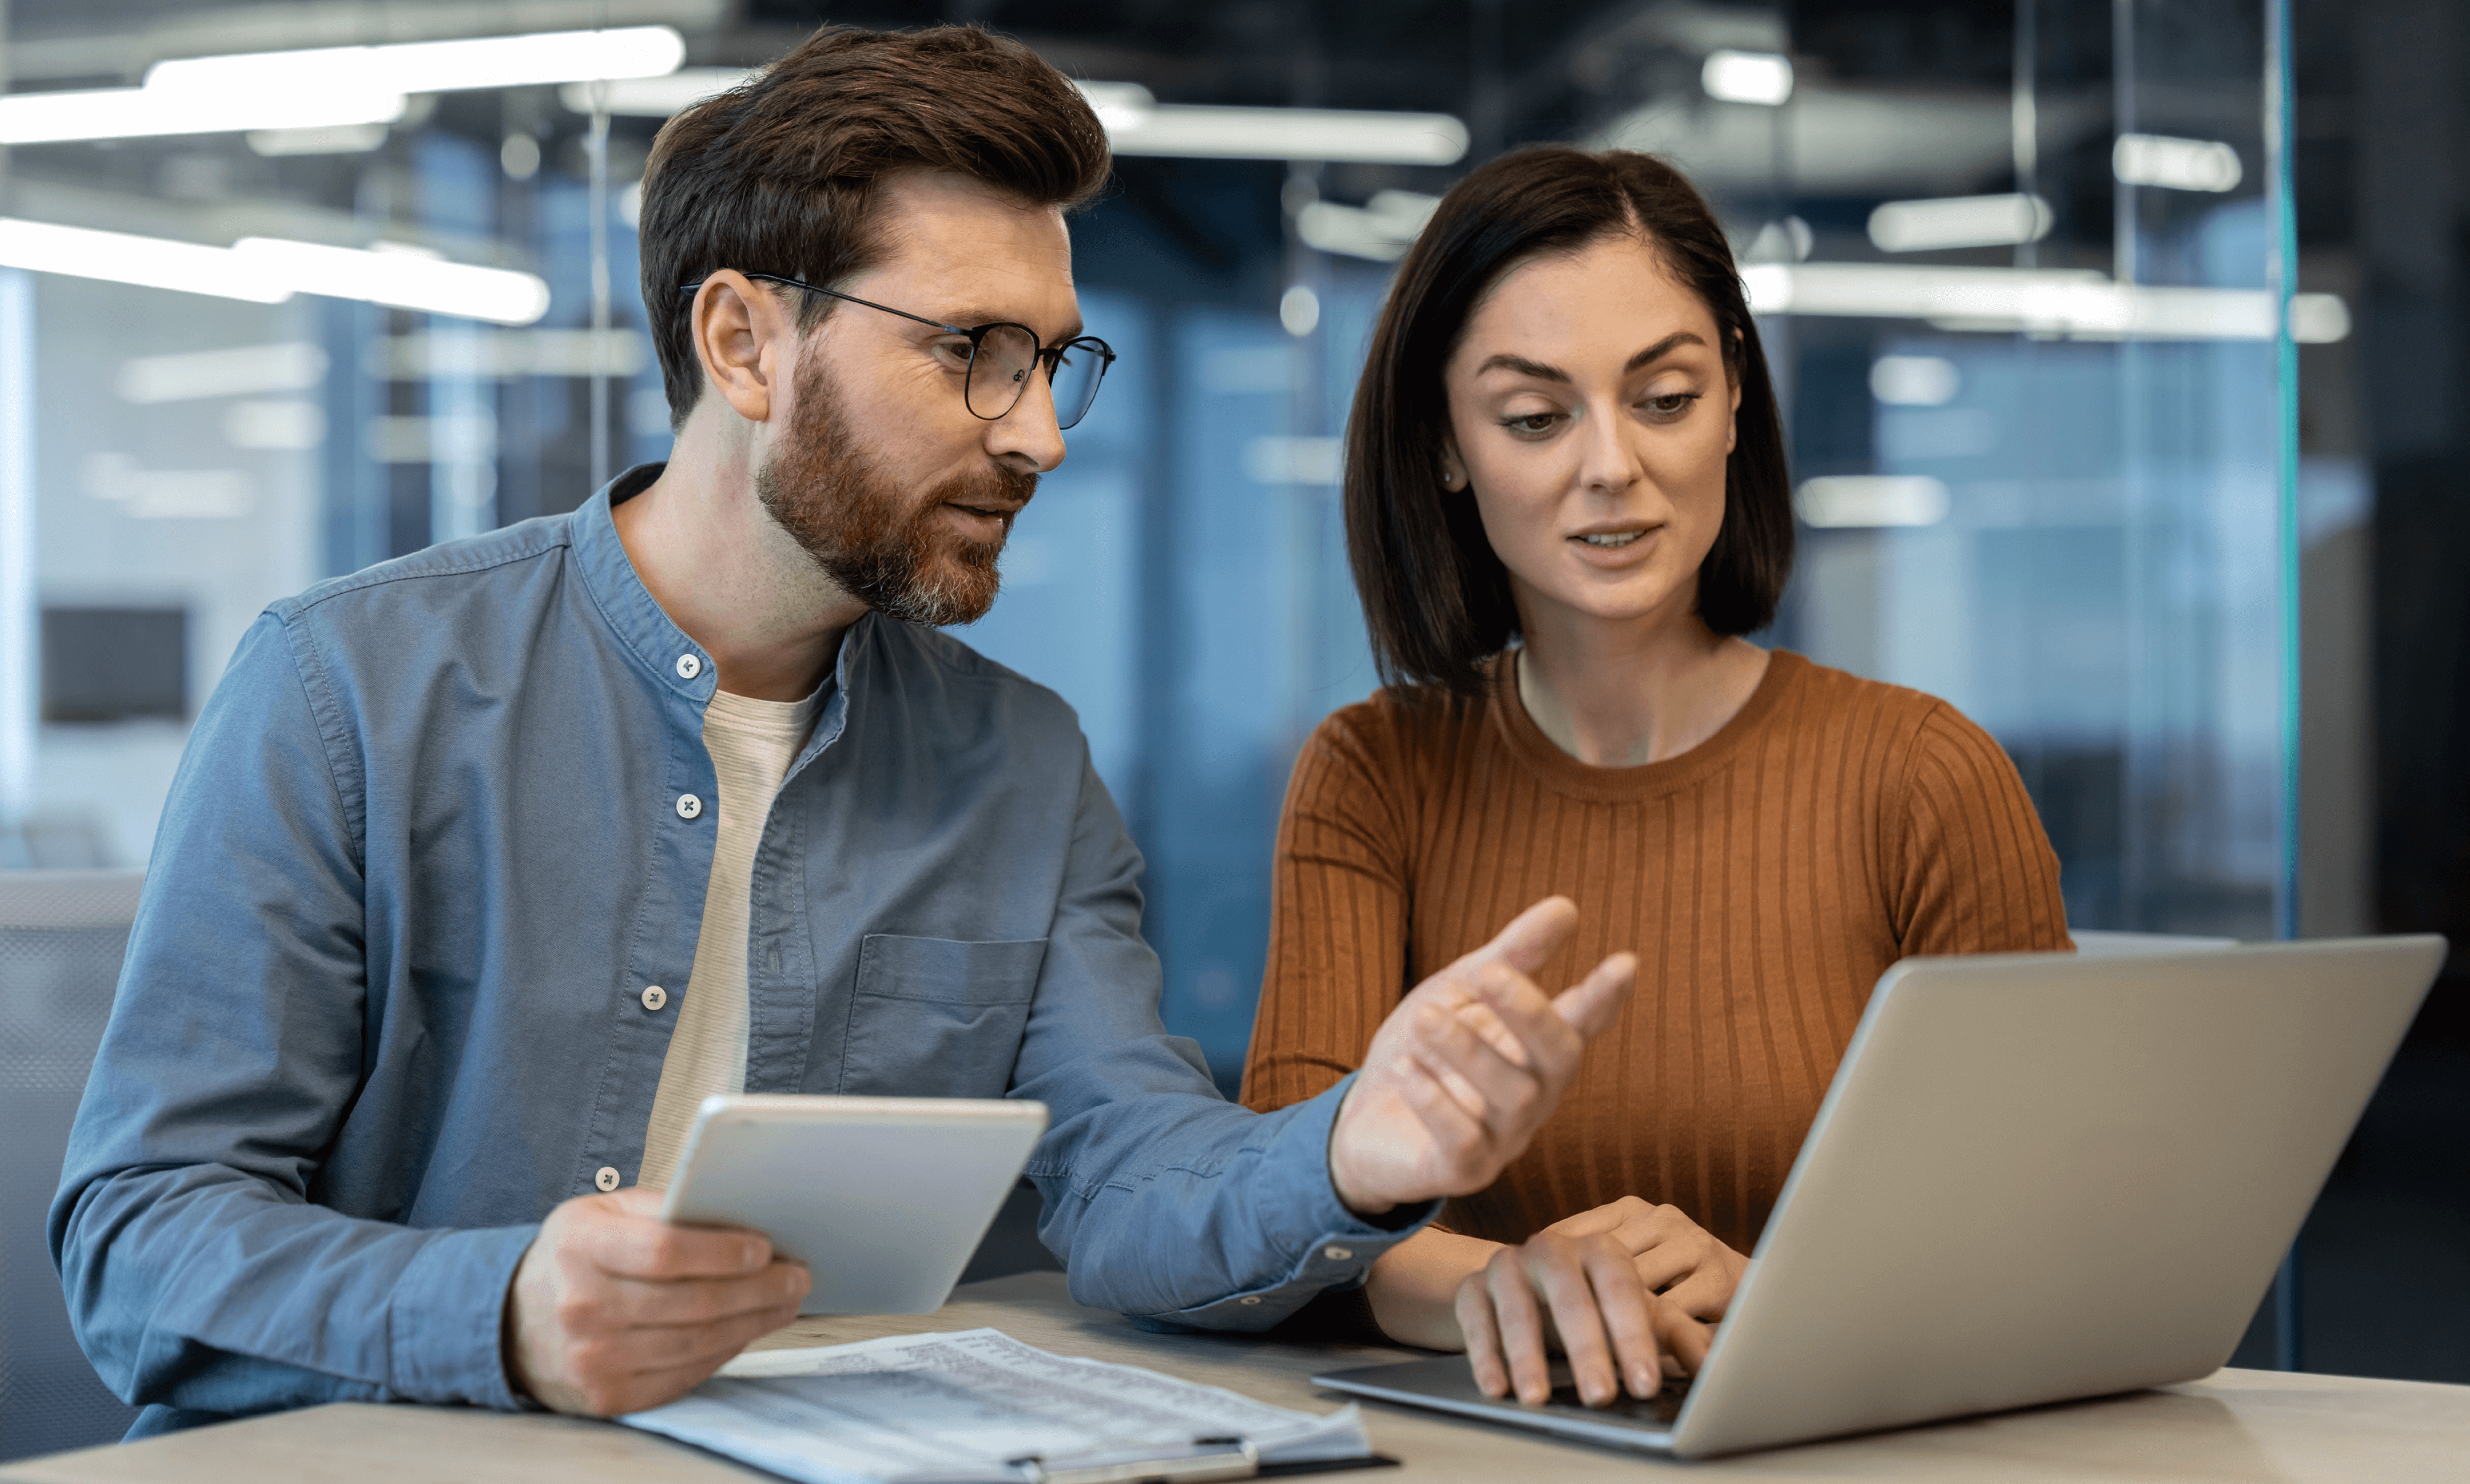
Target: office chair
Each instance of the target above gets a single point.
(62, 934)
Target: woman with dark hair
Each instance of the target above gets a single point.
(1567, 505)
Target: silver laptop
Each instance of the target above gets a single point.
(2035, 1177)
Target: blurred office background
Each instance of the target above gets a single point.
(2123, 343)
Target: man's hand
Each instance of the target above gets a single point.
(614, 1309)
(1468, 1067)
(1582, 1296)
(1676, 1258)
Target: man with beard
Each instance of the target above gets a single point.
(486, 865)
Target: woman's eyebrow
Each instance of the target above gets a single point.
(1523, 367)
(1662, 348)
(1543, 373)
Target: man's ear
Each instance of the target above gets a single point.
(743, 338)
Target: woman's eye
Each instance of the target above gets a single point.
(1670, 405)
(1532, 422)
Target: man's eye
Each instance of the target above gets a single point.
(952, 351)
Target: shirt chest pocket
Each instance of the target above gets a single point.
(937, 1017)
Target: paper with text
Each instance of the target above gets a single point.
(964, 1407)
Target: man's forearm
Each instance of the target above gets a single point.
(1212, 1218)
(202, 1287)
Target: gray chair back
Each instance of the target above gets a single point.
(62, 935)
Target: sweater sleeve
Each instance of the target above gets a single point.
(1974, 872)
(1337, 911)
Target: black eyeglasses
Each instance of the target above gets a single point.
(1006, 353)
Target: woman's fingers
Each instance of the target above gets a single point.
(1483, 1335)
(1557, 1267)
(1707, 1291)
(1602, 1313)
(1679, 1335)
(1524, 1344)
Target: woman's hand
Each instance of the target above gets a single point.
(1675, 1257)
(1583, 1296)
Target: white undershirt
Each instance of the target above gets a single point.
(752, 744)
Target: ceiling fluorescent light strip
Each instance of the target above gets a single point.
(1960, 221)
(2053, 301)
(655, 98)
(147, 261)
(1338, 135)
(137, 113)
(1763, 78)
(2174, 164)
(270, 270)
(329, 87)
(402, 279)
(436, 67)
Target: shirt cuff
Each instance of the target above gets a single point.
(446, 1321)
(1318, 1243)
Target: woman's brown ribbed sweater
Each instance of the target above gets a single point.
(1766, 879)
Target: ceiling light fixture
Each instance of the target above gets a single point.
(1137, 123)
(1763, 78)
(329, 87)
(270, 270)
(141, 113)
(2081, 303)
(148, 262)
(1844, 500)
(436, 67)
(1960, 221)
(403, 279)
(659, 97)
(2174, 164)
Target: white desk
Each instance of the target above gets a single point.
(2233, 1427)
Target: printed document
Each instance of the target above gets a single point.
(972, 1407)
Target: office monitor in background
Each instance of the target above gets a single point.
(2035, 1177)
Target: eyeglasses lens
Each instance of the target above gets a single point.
(1007, 357)
(1000, 371)
(1077, 373)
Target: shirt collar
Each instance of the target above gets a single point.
(655, 641)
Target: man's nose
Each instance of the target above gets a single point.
(1028, 437)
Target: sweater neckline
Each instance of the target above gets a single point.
(1543, 757)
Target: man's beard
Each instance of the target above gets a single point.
(884, 547)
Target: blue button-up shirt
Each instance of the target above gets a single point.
(383, 1004)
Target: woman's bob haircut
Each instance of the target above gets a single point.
(1437, 599)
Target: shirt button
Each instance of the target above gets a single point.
(653, 997)
(689, 667)
(1249, 1298)
(606, 1178)
(1334, 1254)
(689, 806)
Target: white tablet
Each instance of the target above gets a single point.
(883, 1199)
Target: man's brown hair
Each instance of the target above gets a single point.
(780, 175)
